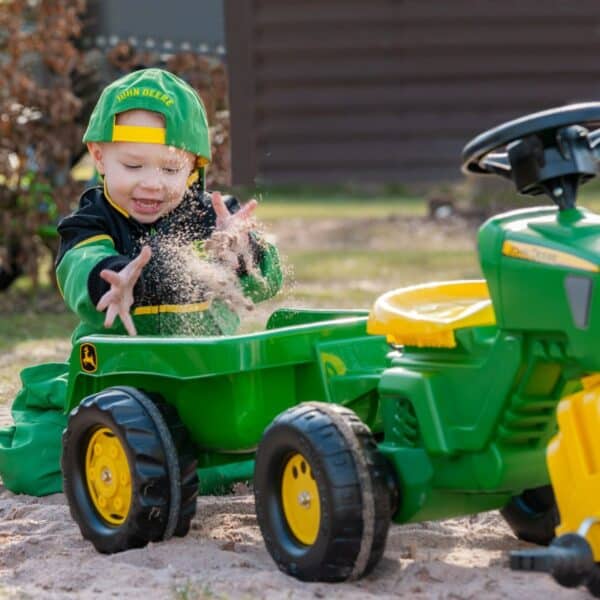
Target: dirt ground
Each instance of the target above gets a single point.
(43, 555)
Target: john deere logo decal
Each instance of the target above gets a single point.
(333, 364)
(87, 357)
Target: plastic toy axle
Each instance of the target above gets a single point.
(568, 559)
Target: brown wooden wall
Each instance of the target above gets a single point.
(391, 90)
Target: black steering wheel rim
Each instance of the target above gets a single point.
(547, 121)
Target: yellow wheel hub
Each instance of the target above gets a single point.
(108, 477)
(300, 497)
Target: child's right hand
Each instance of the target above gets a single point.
(119, 298)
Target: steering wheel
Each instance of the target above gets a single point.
(545, 152)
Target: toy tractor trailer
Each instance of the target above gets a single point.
(149, 411)
(439, 402)
(227, 390)
(153, 418)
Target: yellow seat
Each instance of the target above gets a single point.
(427, 315)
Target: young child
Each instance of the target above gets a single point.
(130, 256)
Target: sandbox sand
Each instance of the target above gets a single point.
(42, 555)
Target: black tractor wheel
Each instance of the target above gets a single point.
(124, 478)
(324, 493)
(533, 515)
(593, 581)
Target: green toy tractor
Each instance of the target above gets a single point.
(439, 402)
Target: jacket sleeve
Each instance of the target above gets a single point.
(265, 255)
(85, 249)
(269, 282)
(78, 276)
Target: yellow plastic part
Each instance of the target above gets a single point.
(108, 476)
(573, 457)
(137, 133)
(427, 315)
(300, 498)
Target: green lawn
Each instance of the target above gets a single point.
(355, 278)
(32, 326)
(275, 208)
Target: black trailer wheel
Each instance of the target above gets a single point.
(188, 477)
(533, 515)
(122, 473)
(323, 492)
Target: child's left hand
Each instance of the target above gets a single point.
(231, 236)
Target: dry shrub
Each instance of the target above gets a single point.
(49, 87)
(38, 123)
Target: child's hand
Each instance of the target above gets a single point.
(119, 298)
(230, 242)
(225, 219)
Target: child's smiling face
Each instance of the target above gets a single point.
(145, 180)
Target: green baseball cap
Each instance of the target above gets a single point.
(159, 91)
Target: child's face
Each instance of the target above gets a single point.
(146, 180)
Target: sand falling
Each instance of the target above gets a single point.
(180, 275)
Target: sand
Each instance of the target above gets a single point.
(42, 555)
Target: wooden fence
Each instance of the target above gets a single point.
(330, 91)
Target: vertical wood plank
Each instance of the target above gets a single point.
(239, 34)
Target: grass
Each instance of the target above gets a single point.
(316, 208)
(355, 278)
(318, 266)
(323, 202)
(313, 203)
(34, 326)
(589, 195)
(29, 315)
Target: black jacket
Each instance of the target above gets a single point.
(194, 219)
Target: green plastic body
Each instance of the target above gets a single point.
(464, 428)
(467, 427)
(228, 389)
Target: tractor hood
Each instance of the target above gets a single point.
(542, 266)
